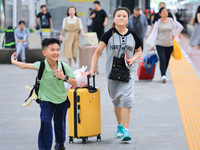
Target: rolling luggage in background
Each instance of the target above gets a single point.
(142, 74)
(84, 115)
(85, 57)
(147, 66)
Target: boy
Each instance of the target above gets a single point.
(52, 94)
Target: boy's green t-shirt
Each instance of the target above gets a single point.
(51, 88)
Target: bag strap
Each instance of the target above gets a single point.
(63, 68)
(37, 80)
(113, 43)
(41, 70)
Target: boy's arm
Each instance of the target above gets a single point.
(20, 64)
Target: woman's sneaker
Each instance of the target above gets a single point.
(164, 79)
(126, 135)
(119, 133)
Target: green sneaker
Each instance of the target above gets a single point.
(126, 135)
(119, 133)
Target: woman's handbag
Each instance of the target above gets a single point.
(119, 71)
(176, 51)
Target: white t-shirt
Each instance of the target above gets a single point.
(72, 21)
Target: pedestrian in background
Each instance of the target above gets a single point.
(21, 40)
(99, 19)
(89, 21)
(195, 38)
(119, 40)
(162, 37)
(157, 15)
(45, 18)
(148, 14)
(73, 25)
(138, 23)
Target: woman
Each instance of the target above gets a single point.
(162, 36)
(119, 39)
(72, 24)
(195, 38)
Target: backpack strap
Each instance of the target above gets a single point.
(63, 68)
(37, 81)
(41, 70)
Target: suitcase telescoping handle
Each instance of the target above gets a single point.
(88, 80)
(90, 88)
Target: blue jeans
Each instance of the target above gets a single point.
(58, 113)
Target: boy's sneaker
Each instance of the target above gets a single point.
(126, 135)
(119, 133)
(59, 147)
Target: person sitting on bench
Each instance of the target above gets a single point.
(21, 40)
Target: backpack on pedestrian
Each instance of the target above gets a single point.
(9, 38)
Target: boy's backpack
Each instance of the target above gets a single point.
(9, 38)
(38, 79)
(149, 61)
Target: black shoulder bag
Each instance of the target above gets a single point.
(119, 71)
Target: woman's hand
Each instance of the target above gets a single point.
(90, 73)
(13, 60)
(60, 38)
(84, 35)
(152, 48)
(130, 61)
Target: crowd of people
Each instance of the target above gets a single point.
(125, 37)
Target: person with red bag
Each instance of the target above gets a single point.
(162, 37)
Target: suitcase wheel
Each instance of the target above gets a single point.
(99, 137)
(71, 140)
(84, 140)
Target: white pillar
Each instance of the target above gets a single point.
(14, 13)
(31, 7)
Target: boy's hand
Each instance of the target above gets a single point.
(59, 74)
(13, 60)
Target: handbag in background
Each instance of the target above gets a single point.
(176, 51)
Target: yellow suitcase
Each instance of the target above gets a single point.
(84, 114)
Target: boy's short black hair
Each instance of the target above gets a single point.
(90, 8)
(48, 41)
(42, 6)
(97, 2)
(21, 21)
